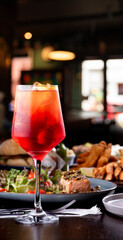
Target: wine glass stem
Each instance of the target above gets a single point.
(37, 198)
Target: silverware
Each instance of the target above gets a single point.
(13, 213)
(62, 208)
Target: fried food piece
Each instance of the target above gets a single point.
(82, 157)
(103, 143)
(121, 176)
(109, 176)
(121, 163)
(110, 167)
(99, 172)
(104, 158)
(96, 151)
(120, 153)
(110, 170)
(117, 171)
(113, 158)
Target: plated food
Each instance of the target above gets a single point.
(68, 182)
(19, 184)
(74, 181)
(105, 165)
(102, 160)
(91, 198)
(110, 171)
(11, 154)
(98, 155)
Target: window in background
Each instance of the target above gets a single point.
(114, 75)
(92, 85)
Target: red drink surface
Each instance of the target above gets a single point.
(37, 121)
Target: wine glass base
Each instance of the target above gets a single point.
(30, 219)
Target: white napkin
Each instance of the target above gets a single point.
(78, 212)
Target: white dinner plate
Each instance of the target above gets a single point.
(114, 204)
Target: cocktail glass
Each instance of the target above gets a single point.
(37, 127)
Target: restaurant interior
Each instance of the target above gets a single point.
(74, 190)
(90, 85)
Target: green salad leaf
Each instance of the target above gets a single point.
(17, 181)
(56, 177)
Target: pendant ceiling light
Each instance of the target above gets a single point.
(61, 55)
(27, 35)
(45, 53)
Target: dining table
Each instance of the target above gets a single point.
(105, 226)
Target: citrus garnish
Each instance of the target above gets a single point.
(88, 172)
(40, 86)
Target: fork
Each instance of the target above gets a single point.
(62, 208)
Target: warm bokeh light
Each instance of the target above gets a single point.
(45, 53)
(27, 35)
(61, 55)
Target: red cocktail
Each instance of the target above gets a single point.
(37, 127)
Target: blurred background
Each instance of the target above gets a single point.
(90, 85)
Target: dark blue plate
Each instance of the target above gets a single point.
(107, 187)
